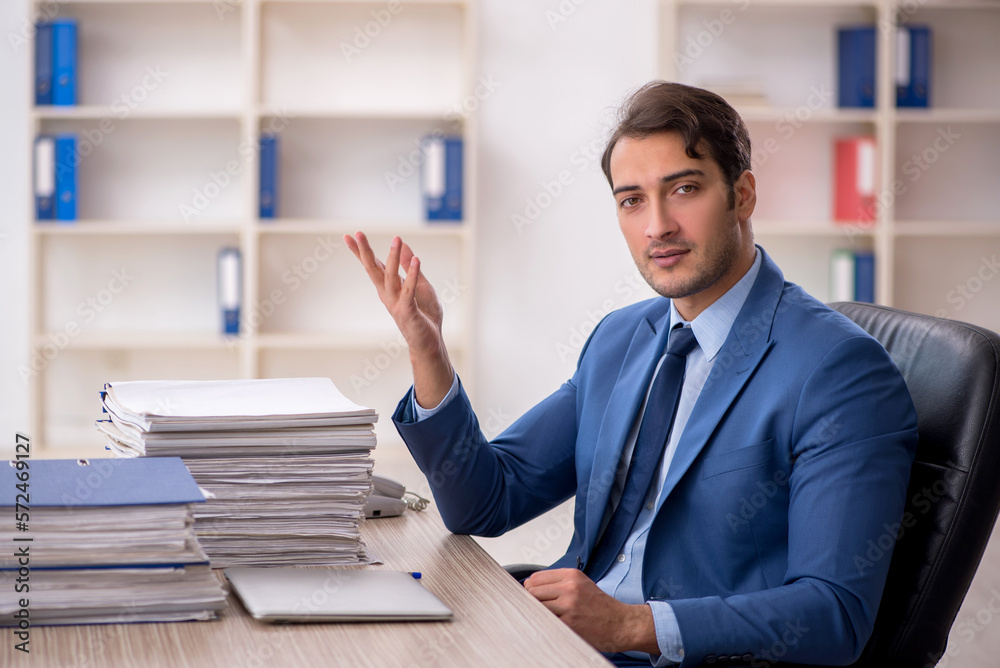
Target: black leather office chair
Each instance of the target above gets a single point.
(952, 370)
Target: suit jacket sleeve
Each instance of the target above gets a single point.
(486, 488)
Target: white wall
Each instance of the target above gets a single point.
(545, 281)
(14, 183)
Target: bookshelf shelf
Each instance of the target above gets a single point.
(339, 228)
(360, 341)
(947, 228)
(810, 229)
(98, 113)
(173, 95)
(145, 340)
(804, 114)
(936, 172)
(947, 116)
(83, 228)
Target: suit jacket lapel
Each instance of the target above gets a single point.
(746, 346)
(628, 392)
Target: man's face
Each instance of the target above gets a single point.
(686, 240)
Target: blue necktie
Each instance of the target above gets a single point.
(649, 445)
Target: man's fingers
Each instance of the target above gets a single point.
(363, 251)
(409, 289)
(391, 274)
(552, 575)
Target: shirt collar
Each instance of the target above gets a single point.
(712, 325)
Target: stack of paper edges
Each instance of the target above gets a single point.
(286, 462)
(105, 541)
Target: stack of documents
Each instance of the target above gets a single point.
(286, 463)
(103, 541)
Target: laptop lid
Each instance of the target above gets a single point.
(289, 594)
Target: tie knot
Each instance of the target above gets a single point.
(681, 341)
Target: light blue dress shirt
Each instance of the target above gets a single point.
(623, 580)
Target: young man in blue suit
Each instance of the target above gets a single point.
(786, 455)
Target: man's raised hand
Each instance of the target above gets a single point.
(416, 310)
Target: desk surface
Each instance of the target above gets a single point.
(496, 623)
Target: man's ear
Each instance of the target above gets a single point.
(745, 190)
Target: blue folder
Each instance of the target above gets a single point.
(914, 89)
(441, 175)
(65, 483)
(66, 162)
(268, 176)
(64, 62)
(43, 63)
(856, 67)
(864, 277)
(45, 177)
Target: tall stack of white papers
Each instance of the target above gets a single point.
(286, 463)
(103, 541)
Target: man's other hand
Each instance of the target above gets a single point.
(605, 622)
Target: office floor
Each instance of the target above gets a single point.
(975, 637)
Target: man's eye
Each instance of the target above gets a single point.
(629, 202)
(686, 189)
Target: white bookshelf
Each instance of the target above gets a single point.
(172, 92)
(933, 236)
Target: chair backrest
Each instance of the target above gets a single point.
(952, 370)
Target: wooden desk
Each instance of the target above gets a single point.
(496, 623)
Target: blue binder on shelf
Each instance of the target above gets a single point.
(230, 271)
(864, 277)
(43, 63)
(65, 177)
(856, 67)
(913, 66)
(268, 176)
(67, 483)
(441, 178)
(45, 177)
(64, 62)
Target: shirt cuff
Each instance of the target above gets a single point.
(423, 413)
(668, 634)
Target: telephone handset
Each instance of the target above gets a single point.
(390, 498)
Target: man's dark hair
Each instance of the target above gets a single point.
(698, 115)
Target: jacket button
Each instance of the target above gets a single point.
(711, 658)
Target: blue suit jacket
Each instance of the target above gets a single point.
(793, 465)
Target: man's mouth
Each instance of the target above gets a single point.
(668, 257)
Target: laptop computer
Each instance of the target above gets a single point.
(289, 594)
